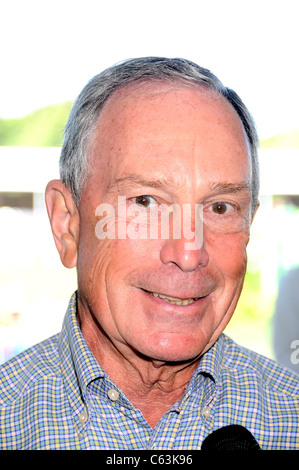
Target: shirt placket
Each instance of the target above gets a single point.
(124, 423)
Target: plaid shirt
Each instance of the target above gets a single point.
(56, 396)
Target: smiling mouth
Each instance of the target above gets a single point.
(173, 300)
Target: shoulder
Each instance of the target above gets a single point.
(258, 394)
(24, 371)
(257, 369)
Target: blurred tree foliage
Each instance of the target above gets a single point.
(42, 128)
(286, 140)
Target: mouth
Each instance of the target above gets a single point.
(173, 300)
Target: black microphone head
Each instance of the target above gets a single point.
(233, 437)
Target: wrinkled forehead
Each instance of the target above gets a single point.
(149, 100)
(125, 102)
(170, 127)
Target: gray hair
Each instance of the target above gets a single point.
(86, 110)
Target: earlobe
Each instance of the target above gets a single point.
(64, 220)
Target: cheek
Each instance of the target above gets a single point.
(228, 252)
(109, 262)
(94, 255)
(126, 260)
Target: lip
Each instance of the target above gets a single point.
(162, 301)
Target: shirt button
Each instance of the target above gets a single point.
(83, 417)
(113, 395)
(206, 412)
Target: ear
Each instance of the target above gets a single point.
(64, 219)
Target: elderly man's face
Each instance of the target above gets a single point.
(181, 146)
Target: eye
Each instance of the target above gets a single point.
(144, 201)
(221, 208)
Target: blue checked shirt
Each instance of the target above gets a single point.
(56, 396)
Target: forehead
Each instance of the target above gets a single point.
(159, 97)
(174, 127)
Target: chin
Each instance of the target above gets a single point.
(173, 348)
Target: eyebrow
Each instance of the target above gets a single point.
(136, 180)
(231, 188)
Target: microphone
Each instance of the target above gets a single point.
(232, 437)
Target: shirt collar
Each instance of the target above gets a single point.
(212, 361)
(77, 361)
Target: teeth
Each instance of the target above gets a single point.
(173, 300)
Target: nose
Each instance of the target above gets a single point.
(178, 252)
